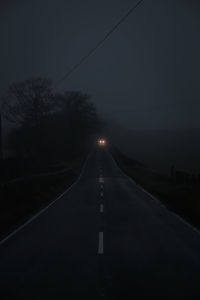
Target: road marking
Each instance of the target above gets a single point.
(13, 233)
(190, 226)
(101, 179)
(102, 186)
(100, 248)
(101, 208)
(101, 194)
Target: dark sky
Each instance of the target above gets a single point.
(146, 75)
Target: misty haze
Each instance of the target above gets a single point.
(100, 149)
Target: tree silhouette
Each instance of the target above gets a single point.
(48, 125)
(28, 102)
(78, 110)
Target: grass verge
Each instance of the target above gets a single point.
(22, 197)
(183, 199)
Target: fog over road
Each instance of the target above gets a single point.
(105, 238)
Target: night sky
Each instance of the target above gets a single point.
(145, 76)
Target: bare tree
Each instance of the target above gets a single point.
(28, 102)
(78, 109)
(62, 123)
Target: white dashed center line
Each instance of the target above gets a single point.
(101, 208)
(101, 179)
(101, 194)
(100, 248)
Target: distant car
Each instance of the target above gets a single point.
(101, 142)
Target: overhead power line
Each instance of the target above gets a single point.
(109, 33)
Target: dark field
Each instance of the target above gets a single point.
(25, 189)
(179, 195)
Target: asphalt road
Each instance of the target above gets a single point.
(104, 239)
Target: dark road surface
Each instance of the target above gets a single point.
(104, 239)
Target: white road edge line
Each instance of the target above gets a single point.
(158, 201)
(101, 208)
(46, 207)
(100, 248)
(165, 208)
